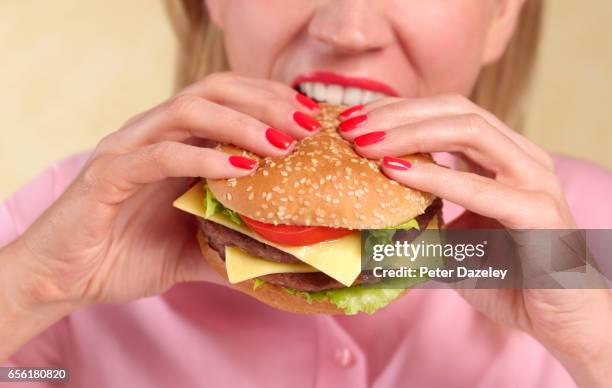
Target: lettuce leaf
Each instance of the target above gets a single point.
(353, 300)
(410, 224)
(309, 295)
(257, 282)
(360, 298)
(385, 236)
(213, 206)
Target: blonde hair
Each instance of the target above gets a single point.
(500, 87)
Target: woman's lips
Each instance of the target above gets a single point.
(337, 89)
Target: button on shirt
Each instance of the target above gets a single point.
(201, 334)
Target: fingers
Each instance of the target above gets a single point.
(117, 177)
(225, 108)
(273, 103)
(474, 192)
(392, 112)
(469, 134)
(188, 116)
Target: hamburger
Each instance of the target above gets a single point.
(289, 234)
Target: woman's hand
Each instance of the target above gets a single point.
(113, 236)
(512, 183)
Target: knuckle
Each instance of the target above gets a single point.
(160, 150)
(159, 153)
(475, 187)
(215, 81)
(546, 209)
(456, 101)
(92, 177)
(182, 106)
(269, 111)
(242, 124)
(105, 145)
(475, 126)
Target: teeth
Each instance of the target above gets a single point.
(336, 94)
(319, 91)
(307, 88)
(352, 96)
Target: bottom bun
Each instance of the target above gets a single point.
(268, 293)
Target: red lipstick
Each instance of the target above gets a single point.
(327, 77)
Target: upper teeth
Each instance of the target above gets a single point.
(337, 95)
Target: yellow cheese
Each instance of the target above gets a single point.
(243, 266)
(339, 259)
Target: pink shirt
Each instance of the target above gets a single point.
(201, 334)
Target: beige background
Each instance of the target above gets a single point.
(74, 70)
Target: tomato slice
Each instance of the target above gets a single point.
(295, 235)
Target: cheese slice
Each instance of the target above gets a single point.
(242, 266)
(340, 259)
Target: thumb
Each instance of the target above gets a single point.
(192, 267)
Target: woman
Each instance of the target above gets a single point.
(96, 232)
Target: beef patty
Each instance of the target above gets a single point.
(219, 236)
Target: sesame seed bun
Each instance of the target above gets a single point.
(323, 182)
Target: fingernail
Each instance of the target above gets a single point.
(370, 138)
(279, 139)
(396, 163)
(349, 112)
(307, 102)
(242, 162)
(353, 123)
(306, 121)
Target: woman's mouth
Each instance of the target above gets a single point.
(340, 90)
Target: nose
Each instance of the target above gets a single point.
(351, 26)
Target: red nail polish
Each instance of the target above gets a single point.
(349, 112)
(307, 102)
(396, 163)
(242, 162)
(279, 139)
(370, 138)
(353, 123)
(306, 121)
